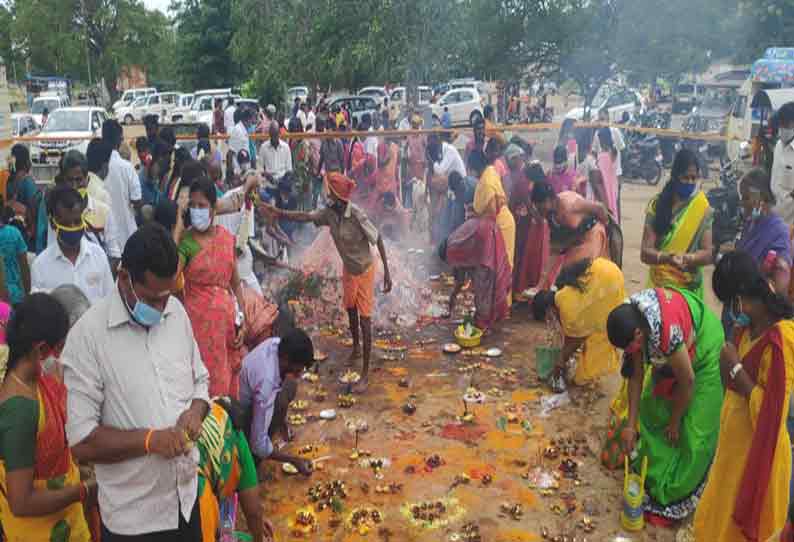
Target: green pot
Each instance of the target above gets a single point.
(545, 358)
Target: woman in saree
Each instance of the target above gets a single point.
(416, 159)
(577, 226)
(477, 250)
(41, 495)
(532, 230)
(490, 199)
(747, 494)
(212, 295)
(607, 158)
(226, 469)
(676, 242)
(587, 291)
(386, 179)
(673, 413)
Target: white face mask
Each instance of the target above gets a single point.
(200, 219)
(786, 135)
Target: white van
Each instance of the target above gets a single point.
(131, 95)
(204, 102)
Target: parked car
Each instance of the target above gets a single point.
(50, 103)
(358, 106)
(203, 103)
(68, 122)
(685, 97)
(131, 95)
(23, 124)
(465, 106)
(160, 104)
(180, 112)
(378, 93)
(399, 97)
(297, 92)
(469, 82)
(130, 114)
(617, 101)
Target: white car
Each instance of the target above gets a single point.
(130, 95)
(464, 104)
(297, 92)
(84, 123)
(182, 110)
(23, 124)
(617, 102)
(377, 93)
(399, 96)
(50, 103)
(204, 102)
(160, 104)
(130, 114)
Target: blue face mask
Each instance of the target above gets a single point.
(144, 314)
(250, 129)
(756, 214)
(740, 318)
(685, 190)
(200, 219)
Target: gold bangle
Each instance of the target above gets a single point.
(147, 440)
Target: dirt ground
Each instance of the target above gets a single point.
(487, 465)
(504, 442)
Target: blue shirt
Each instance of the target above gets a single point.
(150, 192)
(260, 382)
(11, 246)
(446, 120)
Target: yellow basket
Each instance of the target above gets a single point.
(632, 517)
(468, 342)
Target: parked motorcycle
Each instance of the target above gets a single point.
(642, 159)
(725, 201)
(536, 115)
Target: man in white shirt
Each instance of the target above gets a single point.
(301, 115)
(311, 119)
(782, 181)
(138, 395)
(239, 139)
(228, 114)
(448, 161)
(124, 187)
(370, 142)
(276, 156)
(71, 259)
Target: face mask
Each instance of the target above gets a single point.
(685, 190)
(756, 214)
(70, 236)
(83, 192)
(49, 363)
(144, 314)
(200, 219)
(741, 320)
(786, 134)
(250, 129)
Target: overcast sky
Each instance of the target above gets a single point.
(162, 5)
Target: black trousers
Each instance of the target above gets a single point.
(188, 531)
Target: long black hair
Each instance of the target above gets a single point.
(662, 222)
(38, 318)
(737, 273)
(571, 276)
(622, 323)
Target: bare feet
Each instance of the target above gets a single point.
(362, 385)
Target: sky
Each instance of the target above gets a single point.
(162, 5)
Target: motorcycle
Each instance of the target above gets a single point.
(727, 209)
(537, 115)
(642, 158)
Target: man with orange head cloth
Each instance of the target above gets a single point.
(353, 233)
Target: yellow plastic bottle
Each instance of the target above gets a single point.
(632, 517)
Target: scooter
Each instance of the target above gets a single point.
(643, 159)
(725, 201)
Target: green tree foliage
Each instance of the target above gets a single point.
(204, 34)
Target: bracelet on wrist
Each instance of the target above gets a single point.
(147, 441)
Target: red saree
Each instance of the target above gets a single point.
(210, 306)
(478, 245)
(532, 237)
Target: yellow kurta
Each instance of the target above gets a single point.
(490, 197)
(583, 314)
(713, 519)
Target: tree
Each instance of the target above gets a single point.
(204, 34)
(587, 54)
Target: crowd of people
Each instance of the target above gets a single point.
(147, 380)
